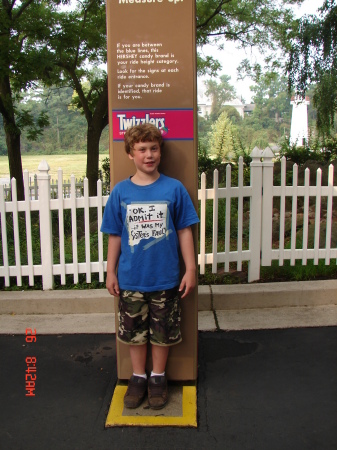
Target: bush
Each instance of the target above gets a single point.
(321, 150)
(298, 155)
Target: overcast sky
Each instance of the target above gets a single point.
(234, 56)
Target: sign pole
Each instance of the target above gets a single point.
(152, 78)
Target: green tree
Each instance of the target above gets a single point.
(79, 44)
(222, 137)
(219, 93)
(204, 127)
(272, 100)
(233, 114)
(270, 119)
(67, 129)
(267, 124)
(265, 24)
(24, 58)
(313, 59)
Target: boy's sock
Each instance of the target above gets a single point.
(143, 375)
(153, 374)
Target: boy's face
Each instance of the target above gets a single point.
(146, 156)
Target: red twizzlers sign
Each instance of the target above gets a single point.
(175, 124)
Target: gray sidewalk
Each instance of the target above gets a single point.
(226, 320)
(230, 307)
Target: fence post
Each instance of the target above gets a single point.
(35, 188)
(267, 206)
(255, 215)
(46, 240)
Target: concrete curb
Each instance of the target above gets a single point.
(224, 297)
(56, 302)
(275, 295)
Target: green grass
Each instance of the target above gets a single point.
(272, 274)
(298, 272)
(74, 164)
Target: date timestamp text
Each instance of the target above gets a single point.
(30, 373)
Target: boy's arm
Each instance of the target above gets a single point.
(186, 243)
(114, 250)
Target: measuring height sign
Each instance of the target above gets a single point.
(152, 79)
(152, 67)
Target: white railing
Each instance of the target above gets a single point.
(240, 204)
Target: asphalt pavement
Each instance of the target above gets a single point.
(261, 389)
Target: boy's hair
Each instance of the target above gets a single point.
(146, 132)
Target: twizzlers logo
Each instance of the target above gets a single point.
(176, 124)
(125, 123)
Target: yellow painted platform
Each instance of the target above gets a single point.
(180, 411)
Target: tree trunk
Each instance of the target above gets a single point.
(14, 158)
(93, 138)
(96, 125)
(12, 133)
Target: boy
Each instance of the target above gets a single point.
(148, 218)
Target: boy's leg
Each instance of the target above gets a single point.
(157, 386)
(164, 332)
(138, 358)
(137, 385)
(159, 358)
(133, 330)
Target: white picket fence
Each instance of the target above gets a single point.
(54, 188)
(255, 201)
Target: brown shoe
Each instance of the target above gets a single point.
(136, 392)
(157, 392)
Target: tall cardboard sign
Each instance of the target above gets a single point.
(152, 78)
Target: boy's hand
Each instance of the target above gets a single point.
(187, 250)
(114, 250)
(112, 284)
(188, 283)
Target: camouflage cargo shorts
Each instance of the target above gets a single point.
(153, 316)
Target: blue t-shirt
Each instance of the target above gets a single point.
(147, 218)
